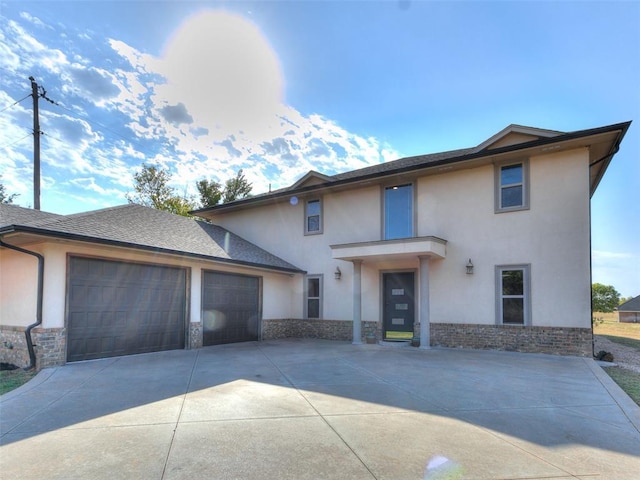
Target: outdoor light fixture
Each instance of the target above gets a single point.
(469, 268)
(337, 274)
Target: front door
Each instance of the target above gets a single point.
(399, 305)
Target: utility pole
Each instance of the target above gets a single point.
(36, 145)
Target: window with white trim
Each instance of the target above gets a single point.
(512, 295)
(313, 297)
(512, 186)
(398, 211)
(313, 217)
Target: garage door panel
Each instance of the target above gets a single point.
(230, 308)
(118, 308)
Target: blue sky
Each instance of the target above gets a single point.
(278, 88)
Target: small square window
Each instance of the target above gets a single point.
(512, 190)
(313, 217)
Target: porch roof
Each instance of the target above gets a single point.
(397, 249)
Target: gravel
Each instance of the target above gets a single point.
(625, 357)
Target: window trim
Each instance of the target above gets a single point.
(320, 278)
(526, 294)
(306, 217)
(383, 209)
(497, 170)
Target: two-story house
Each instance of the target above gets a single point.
(484, 247)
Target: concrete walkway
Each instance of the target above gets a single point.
(316, 409)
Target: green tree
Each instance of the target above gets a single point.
(604, 298)
(624, 300)
(151, 189)
(210, 192)
(4, 196)
(179, 206)
(236, 188)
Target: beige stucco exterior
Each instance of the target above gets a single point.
(19, 279)
(552, 236)
(18, 288)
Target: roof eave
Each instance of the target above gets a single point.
(148, 248)
(475, 155)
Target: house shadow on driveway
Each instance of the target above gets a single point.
(312, 409)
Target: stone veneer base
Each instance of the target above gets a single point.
(50, 343)
(13, 346)
(323, 329)
(552, 340)
(195, 335)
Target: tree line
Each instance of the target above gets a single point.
(151, 188)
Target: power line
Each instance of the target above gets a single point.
(97, 124)
(53, 137)
(15, 103)
(16, 141)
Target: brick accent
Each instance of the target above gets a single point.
(50, 346)
(13, 346)
(195, 335)
(322, 329)
(554, 340)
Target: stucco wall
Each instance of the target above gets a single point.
(281, 232)
(552, 236)
(458, 206)
(18, 288)
(18, 307)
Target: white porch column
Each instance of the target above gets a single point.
(424, 302)
(357, 302)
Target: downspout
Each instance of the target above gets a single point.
(27, 332)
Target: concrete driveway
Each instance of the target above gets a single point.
(317, 409)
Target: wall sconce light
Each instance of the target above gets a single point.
(337, 274)
(469, 268)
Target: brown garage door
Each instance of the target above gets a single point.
(119, 308)
(231, 308)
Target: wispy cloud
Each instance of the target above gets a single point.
(211, 104)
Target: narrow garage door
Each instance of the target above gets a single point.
(119, 308)
(230, 305)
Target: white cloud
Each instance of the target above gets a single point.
(212, 104)
(32, 53)
(30, 18)
(89, 183)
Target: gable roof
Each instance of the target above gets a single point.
(136, 226)
(603, 143)
(514, 134)
(632, 305)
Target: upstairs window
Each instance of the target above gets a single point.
(313, 217)
(514, 304)
(512, 189)
(398, 212)
(313, 297)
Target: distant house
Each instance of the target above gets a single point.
(629, 311)
(483, 247)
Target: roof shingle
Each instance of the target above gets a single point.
(142, 227)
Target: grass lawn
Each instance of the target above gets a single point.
(12, 379)
(628, 380)
(627, 334)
